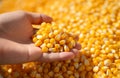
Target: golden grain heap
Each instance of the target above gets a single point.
(52, 38)
(97, 24)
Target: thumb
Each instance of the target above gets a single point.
(36, 18)
(17, 53)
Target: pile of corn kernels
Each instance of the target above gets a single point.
(96, 22)
(53, 38)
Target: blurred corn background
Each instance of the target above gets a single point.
(97, 24)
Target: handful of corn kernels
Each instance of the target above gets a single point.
(51, 38)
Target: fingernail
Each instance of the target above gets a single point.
(75, 51)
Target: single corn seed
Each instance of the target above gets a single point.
(107, 62)
(58, 37)
(49, 45)
(62, 42)
(34, 39)
(44, 49)
(95, 69)
(51, 35)
(38, 43)
(52, 41)
(66, 48)
(57, 45)
(46, 41)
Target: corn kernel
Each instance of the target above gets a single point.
(57, 45)
(56, 69)
(107, 62)
(66, 49)
(49, 45)
(44, 49)
(58, 37)
(62, 42)
(95, 69)
(52, 41)
(46, 41)
(34, 39)
(51, 35)
(38, 43)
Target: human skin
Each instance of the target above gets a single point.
(15, 39)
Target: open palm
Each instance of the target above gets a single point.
(15, 39)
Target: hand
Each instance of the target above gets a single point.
(15, 39)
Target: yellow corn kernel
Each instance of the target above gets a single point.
(69, 72)
(52, 41)
(38, 43)
(64, 35)
(69, 39)
(71, 68)
(52, 49)
(104, 68)
(71, 76)
(114, 70)
(95, 69)
(45, 35)
(40, 69)
(43, 45)
(62, 42)
(86, 62)
(51, 73)
(66, 48)
(73, 43)
(64, 69)
(44, 49)
(38, 32)
(9, 70)
(81, 68)
(38, 76)
(34, 39)
(108, 72)
(57, 45)
(51, 35)
(49, 45)
(76, 65)
(39, 37)
(70, 45)
(56, 32)
(110, 55)
(58, 37)
(46, 41)
(60, 76)
(56, 69)
(65, 75)
(76, 75)
(107, 62)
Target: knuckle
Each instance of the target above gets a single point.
(22, 13)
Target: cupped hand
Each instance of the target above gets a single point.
(15, 39)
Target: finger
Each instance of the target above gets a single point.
(49, 57)
(75, 51)
(78, 46)
(36, 18)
